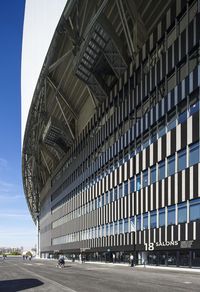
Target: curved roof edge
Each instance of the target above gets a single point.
(38, 32)
(29, 95)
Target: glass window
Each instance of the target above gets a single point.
(145, 142)
(126, 225)
(182, 110)
(132, 224)
(103, 229)
(153, 219)
(145, 178)
(99, 202)
(111, 196)
(126, 188)
(138, 145)
(171, 121)
(116, 227)
(182, 159)
(153, 174)
(111, 228)
(195, 209)
(171, 215)
(161, 130)
(102, 198)
(138, 182)
(171, 165)
(194, 108)
(161, 170)
(132, 185)
(107, 198)
(121, 226)
(138, 222)
(120, 191)
(182, 117)
(194, 153)
(145, 220)
(182, 212)
(115, 194)
(153, 135)
(161, 213)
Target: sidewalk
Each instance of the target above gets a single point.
(181, 269)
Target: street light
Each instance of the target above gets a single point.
(38, 233)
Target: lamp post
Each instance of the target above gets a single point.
(38, 234)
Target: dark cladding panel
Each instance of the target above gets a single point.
(187, 183)
(173, 141)
(163, 147)
(195, 127)
(190, 231)
(155, 152)
(169, 233)
(179, 187)
(182, 231)
(172, 190)
(162, 233)
(198, 27)
(166, 191)
(195, 181)
(154, 196)
(184, 135)
(175, 232)
(183, 44)
(190, 35)
(176, 51)
(144, 199)
(169, 59)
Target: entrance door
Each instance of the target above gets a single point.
(184, 258)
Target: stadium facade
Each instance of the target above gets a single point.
(110, 157)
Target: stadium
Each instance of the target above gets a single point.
(110, 129)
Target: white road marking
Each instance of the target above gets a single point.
(187, 282)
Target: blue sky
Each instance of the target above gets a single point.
(16, 225)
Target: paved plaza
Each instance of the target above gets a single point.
(42, 275)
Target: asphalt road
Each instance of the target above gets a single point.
(41, 275)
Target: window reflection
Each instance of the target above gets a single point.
(195, 209)
(171, 215)
(182, 212)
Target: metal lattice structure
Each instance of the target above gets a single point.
(93, 45)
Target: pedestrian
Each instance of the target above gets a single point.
(113, 256)
(80, 258)
(132, 260)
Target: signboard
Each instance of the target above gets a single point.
(166, 245)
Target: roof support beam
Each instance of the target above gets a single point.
(49, 153)
(64, 99)
(132, 9)
(43, 156)
(131, 48)
(92, 97)
(64, 116)
(59, 61)
(83, 18)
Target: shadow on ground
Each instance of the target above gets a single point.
(19, 285)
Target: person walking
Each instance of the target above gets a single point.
(113, 256)
(132, 260)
